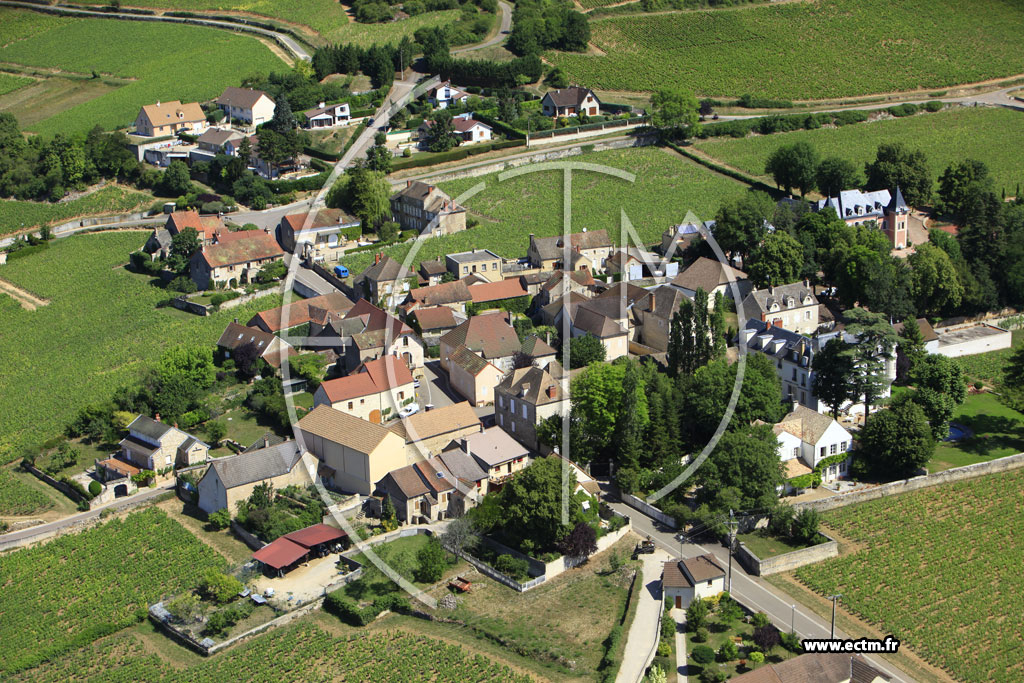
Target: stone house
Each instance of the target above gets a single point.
(793, 307)
(425, 208)
(528, 396)
(375, 391)
(155, 446)
(234, 256)
(473, 377)
(232, 479)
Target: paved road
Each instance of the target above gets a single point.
(752, 591)
(282, 39)
(505, 12)
(644, 631)
(16, 538)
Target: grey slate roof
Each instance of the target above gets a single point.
(569, 97)
(258, 465)
(870, 204)
(786, 296)
(149, 427)
(549, 248)
(385, 270)
(475, 255)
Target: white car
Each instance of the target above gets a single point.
(410, 409)
(416, 383)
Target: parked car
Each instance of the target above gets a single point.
(643, 548)
(341, 271)
(408, 410)
(416, 382)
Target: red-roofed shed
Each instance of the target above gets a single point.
(280, 553)
(315, 535)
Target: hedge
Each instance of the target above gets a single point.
(500, 126)
(313, 182)
(346, 609)
(718, 168)
(421, 160)
(323, 154)
(319, 165)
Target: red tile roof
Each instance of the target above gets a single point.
(494, 291)
(435, 318)
(374, 377)
(206, 226)
(315, 535)
(242, 247)
(298, 312)
(280, 553)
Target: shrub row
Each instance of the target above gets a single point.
(718, 168)
(349, 611)
(453, 154)
(313, 182)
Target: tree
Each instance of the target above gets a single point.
(697, 614)
(532, 503)
(576, 33)
(175, 181)
(909, 349)
(896, 165)
(793, 166)
(508, 103)
(460, 535)
(747, 460)
(378, 157)
(674, 110)
(742, 223)
(805, 526)
(219, 588)
(657, 675)
(632, 420)
(702, 654)
(596, 395)
(934, 281)
(441, 135)
(580, 542)
(309, 366)
(556, 78)
(283, 120)
(183, 246)
(960, 182)
(874, 348)
(585, 350)
(215, 431)
(432, 562)
(707, 395)
(766, 637)
(943, 375)
(776, 261)
(833, 370)
(247, 357)
(727, 652)
(835, 174)
(388, 514)
(696, 337)
(371, 196)
(938, 409)
(898, 440)
(188, 364)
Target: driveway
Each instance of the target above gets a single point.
(643, 633)
(750, 590)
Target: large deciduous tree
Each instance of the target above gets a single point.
(674, 110)
(896, 165)
(741, 224)
(776, 261)
(585, 350)
(934, 281)
(834, 371)
(835, 174)
(793, 166)
(875, 345)
(898, 440)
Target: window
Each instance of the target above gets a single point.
(807, 315)
(832, 449)
(494, 266)
(794, 374)
(405, 341)
(465, 269)
(509, 468)
(823, 451)
(401, 395)
(362, 401)
(501, 420)
(524, 411)
(501, 401)
(513, 425)
(350, 405)
(512, 405)
(709, 581)
(842, 447)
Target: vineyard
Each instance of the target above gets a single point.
(162, 60)
(100, 330)
(15, 215)
(17, 498)
(666, 187)
(940, 569)
(987, 134)
(819, 50)
(298, 653)
(9, 83)
(79, 587)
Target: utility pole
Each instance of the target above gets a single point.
(792, 621)
(732, 542)
(833, 598)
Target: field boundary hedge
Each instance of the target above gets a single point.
(724, 170)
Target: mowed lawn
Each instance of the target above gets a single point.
(998, 431)
(167, 62)
(665, 188)
(17, 215)
(940, 569)
(805, 50)
(991, 135)
(99, 331)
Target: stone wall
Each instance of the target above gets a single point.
(786, 561)
(247, 538)
(648, 509)
(183, 304)
(1010, 462)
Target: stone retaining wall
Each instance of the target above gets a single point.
(648, 509)
(786, 561)
(1010, 462)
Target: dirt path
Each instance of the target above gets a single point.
(28, 300)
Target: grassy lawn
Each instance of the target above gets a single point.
(332, 140)
(938, 569)
(400, 555)
(765, 546)
(666, 187)
(803, 50)
(565, 618)
(154, 55)
(99, 313)
(998, 431)
(718, 634)
(17, 215)
(243, 427)
(986, 134)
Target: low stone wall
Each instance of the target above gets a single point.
(648, 509)
(1010, 462)
(246, 298)
(247, 538)
(556, 567)
(59, 485)
(183, 304)
(786, 561)
(333, 280)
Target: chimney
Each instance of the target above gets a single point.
(266, 441)
(807, 283)
(236, 321)
(551, 391)
(547, 337)
(175, 425)
(377, 257)
(321, 105)
(408, 183)
(771, 289)
(654, 303)
(157, 417)
(531, 239)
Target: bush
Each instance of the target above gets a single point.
(515, 567)
(791, 642)
(756, 658)
(760, 619)
(182, 284)
(219, 588)
(702, 654)
(728, 652)
(700, 635)
(95, 488)
(220, 519)
(934, 106)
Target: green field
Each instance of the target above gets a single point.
(18, 498)
(15, 215)
(991, 135)
(99, 331)
(940, 570)
(805, 50)
(9, 83)
(79, 587)
(167, 62)
(303, 652)
(998, 431)
(666, 187)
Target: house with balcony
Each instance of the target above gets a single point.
(328, 116)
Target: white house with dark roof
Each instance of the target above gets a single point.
(807, 437)
(440, 96)
(245, 104)
(328, 116)
(570, 102)
(232, 479)
(793, 307)
(496, 452)
(693, 577)
(472, 376)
